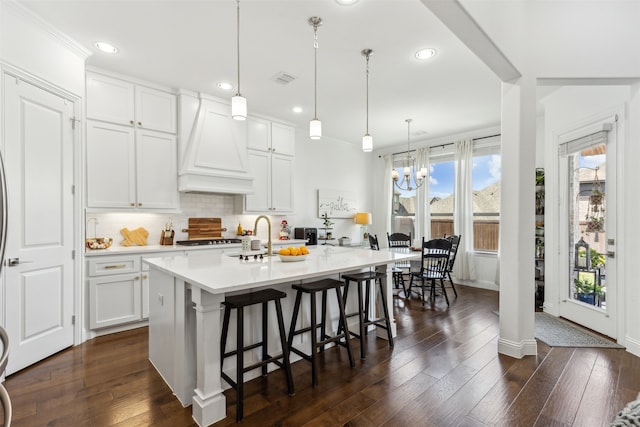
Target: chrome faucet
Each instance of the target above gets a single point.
(255, 231)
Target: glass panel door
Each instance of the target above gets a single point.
(587, 291)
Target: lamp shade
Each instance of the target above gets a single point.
(315, 129)
(239, 108)
(367, 143)
(363, 218)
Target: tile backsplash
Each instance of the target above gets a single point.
(222, 206)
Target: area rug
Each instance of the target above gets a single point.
(557, 332)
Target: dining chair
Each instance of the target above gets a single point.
(455, 242)
(400, 240)
(433, 266)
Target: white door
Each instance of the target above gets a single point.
(38, 272)
(588, 180)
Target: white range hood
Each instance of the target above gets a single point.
(213, 147)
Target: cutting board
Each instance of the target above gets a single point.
(204, 228)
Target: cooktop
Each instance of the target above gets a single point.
(200, 242)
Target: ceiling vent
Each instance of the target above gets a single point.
(283, 78)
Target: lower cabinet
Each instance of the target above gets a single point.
(115, 299)
(115, 290)
(118, 289)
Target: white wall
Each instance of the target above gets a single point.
(30, 44)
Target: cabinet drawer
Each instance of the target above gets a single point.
(113, 265)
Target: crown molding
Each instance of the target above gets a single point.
(16, 8)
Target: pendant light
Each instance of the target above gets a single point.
(238, 102)
(413, 175)
(367, 140)
(315, 126)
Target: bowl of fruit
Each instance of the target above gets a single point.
(99, 243)
(292, 254)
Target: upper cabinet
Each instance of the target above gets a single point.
(118, 101)
(131, 145)
(271, 154)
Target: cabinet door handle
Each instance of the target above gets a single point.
(136, 278)
(273, 149)
(130, 121)
(114, 266)
(139, 204)
(132, 204)
(139, 123)
(144, 276)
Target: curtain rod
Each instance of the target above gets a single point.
(444, 145)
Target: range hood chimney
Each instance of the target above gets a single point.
(213, 147)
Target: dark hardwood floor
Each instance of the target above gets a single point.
(443, 371)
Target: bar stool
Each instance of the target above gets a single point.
(239, 302)
(364, 279)
(311, 289)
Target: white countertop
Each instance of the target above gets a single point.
(219, 273)
(126, 250)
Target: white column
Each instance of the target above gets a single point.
(517, 218)
(209, 404)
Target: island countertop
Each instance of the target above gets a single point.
(220, 273)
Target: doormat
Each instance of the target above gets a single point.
(557, 332)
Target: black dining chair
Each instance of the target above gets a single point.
(400, 240)
(455, 242)
(433, 266)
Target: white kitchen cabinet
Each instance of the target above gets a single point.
(121, 102)
(130, 168)
(265, 135)
(271, 154)
(115, 293)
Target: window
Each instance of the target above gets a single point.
(441, 184)
(486, 202)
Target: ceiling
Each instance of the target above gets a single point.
(192, 45)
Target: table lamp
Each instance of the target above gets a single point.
(363, 219)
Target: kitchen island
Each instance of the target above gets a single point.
(185, 317)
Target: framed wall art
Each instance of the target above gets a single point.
(336, 203)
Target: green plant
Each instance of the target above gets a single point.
(584, 286)
(326, 220)
(597, 259)
(539, 176)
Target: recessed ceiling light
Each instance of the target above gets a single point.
(106, 47)
(225, 85)
(346, 2)
(297, 110)
(425, 53)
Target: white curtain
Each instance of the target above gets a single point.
(464, 267)
(423, 214)
(385, 183)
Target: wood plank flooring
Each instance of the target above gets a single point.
(443, 371)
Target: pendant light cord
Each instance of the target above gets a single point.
(315, 72)
(367, 94)
(238, 41)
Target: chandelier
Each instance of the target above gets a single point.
(413, 174)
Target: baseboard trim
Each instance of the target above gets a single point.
(517, 349)
(633, 345)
